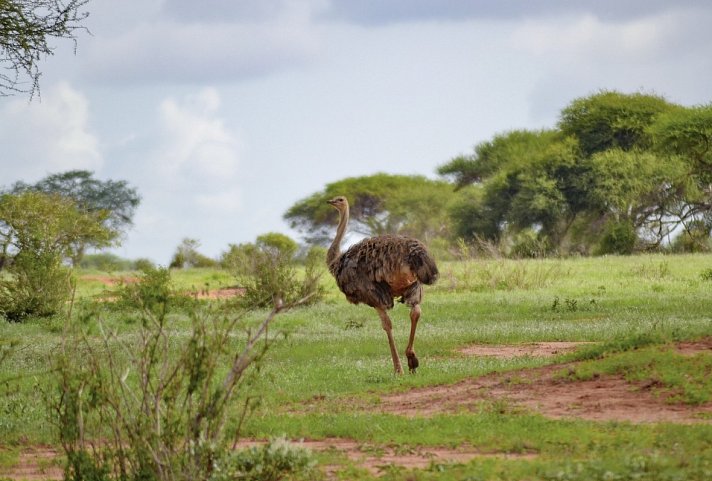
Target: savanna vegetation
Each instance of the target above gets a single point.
(132, 371)
(320, 372)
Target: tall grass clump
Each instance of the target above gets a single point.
(500, 274)
(155, 404)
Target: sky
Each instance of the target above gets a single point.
(224, 113)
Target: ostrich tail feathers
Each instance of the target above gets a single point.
(423, 266)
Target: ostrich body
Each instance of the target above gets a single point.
(379, 269)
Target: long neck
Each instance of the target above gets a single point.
(335, 249)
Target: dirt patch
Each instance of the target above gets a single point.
(223, 293)
(110, 281)
(35, 463)
(542, 390)
(692, 348)
(533, 349)
(42, 463)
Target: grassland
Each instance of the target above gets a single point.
(329, 366)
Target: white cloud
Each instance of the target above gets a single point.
(195, 144)
(48, 136)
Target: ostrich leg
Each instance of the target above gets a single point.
(388, 327)
(409, 351)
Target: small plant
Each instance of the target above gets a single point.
(352, 324)
(572, 305)
(706, 274)
(279, 459)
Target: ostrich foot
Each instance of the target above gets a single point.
(412, 362)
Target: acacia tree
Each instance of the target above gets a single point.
(115, 199)
(609, 120)
(622, 170)
(380, 204)
(26, 30)
(40, 231)
(685, 135)
(525, 180)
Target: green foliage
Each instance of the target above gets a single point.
(40, 232)
(112, 202)
(239, 258)
(618, 238)
(39, 286)
(503, 152)
(157, 402)
(277, 244)
(612, 120)
(529, 181)
(105, 262)
(527, 244)
(268, 270)
(695, 238)
(688, 133)
(279, 459)
(380, 204)
(187, 256)
(706, 274)
(615, 159)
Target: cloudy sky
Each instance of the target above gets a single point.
(223, 113)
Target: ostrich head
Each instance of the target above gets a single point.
(339, 203)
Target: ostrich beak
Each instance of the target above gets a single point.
(331, 202)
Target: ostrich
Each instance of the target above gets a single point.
(381, 268)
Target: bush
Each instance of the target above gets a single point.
(105, 262)
(618, 238)
(187, 255)
(528, 244)
(268, 270)
(39, 285)
(154, 405)
(143, 264)
(279, 459)
(696, 238)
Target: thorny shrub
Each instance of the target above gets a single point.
(154, 405)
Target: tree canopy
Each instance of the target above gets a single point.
(632, 166)
(380, 204)
(50, 224)
(116, 200)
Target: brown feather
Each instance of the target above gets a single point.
(378, 269)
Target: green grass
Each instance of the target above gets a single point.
(334, 357)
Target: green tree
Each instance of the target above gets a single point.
(277, 244)
(636, 188)
(26, 29)
(619, 167)
(41, 231)
(523, 180)
(686, 135)
(610, 120)
(115, 198)
(380, 204)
